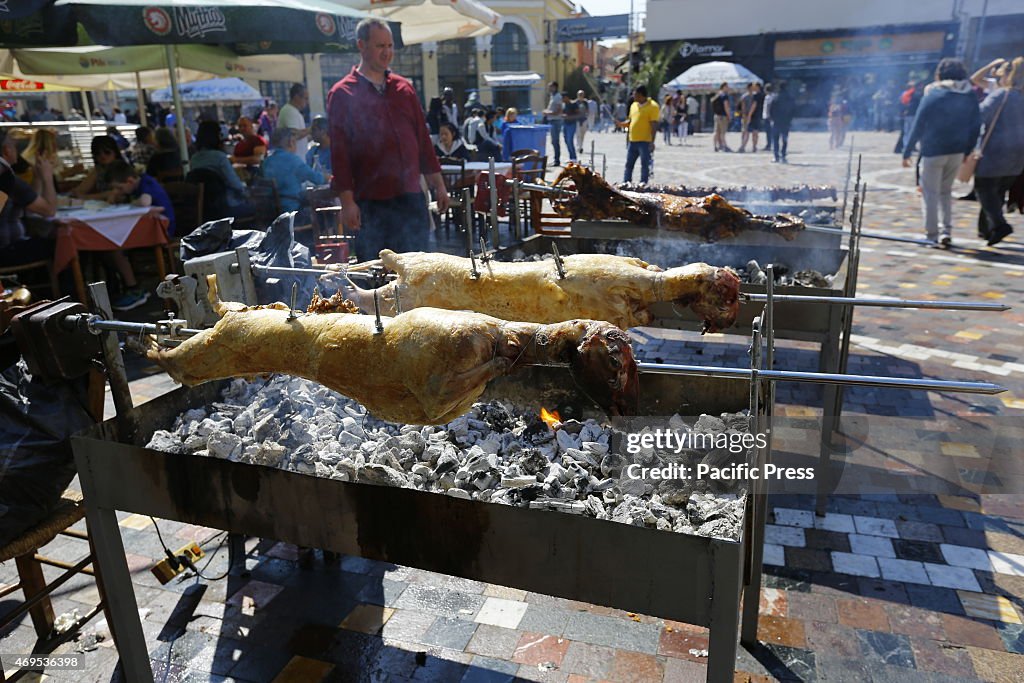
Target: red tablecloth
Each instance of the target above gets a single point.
(74, 236)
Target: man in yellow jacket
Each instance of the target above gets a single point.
(644, 114)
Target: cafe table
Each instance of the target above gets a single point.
(108, 229)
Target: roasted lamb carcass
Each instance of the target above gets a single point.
(427, 366)
(710, 218)
(598, 286)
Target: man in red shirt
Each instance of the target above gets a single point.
(379, 149)
(251, 149)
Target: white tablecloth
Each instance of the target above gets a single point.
(502, 167)
(115, 223)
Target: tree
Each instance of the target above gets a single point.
(653, 71)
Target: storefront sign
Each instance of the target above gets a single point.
(691, 50)
(843, 47)
(592, 28)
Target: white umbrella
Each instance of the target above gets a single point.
(434, 20)
(711, 75)
(212, 90)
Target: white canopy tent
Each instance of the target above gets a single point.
(212, 90)
(434, 20)
(711, 75)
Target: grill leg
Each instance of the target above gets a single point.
(725, 614)
(118, 596)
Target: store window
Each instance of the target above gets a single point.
(457, 66)
(510, 50)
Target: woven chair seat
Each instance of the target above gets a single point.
(67, 512)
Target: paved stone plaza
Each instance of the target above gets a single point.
(885, 587)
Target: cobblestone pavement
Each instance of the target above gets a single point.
(889, 586)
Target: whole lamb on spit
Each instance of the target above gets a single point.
(588, 196)
(426, 366)
(617, 289)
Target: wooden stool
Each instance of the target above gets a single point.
(30, 573)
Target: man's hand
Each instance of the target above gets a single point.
(907, 163)
(436, 182)
(350, 218)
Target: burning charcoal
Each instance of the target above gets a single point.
(612, 465)
(754, 274)
(458, 493)
(532, 461)
(709, 424)
(566, 440)
(447, 462)
(595, 448)
(224, 445)
(674, 492)
(633, 487)
(351, 426)
(166, 442)
(717, 528)
(382, 475)
(518, 482)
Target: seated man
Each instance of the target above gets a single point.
(287, 170)
(40, 198)
(251, 149)
(318, 156)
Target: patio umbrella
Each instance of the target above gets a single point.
(710, 75)
(212, 90)
(327, 23)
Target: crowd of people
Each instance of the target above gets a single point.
(968, 127)
(380, 151)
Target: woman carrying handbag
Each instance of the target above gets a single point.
(946, 125)
(1000, 157)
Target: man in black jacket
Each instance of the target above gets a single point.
(782, 110)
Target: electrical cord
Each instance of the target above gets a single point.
(177, 561)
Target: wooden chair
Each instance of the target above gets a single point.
(24, 550)
(530, 167)
(264, 197)
(454, 181)
(524, 152)
(47, 265)
(187, 200)
(330, 243)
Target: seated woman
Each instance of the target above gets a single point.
(287, 169)
(40, 198)
(449, 144)
(211, 156)
(145, 146)
(166, 160)
(43, 146)
(97, 184)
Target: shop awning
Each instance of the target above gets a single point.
(510, 79)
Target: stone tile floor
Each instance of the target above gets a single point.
(887, 586)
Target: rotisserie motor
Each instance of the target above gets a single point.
(710, 218)
(427, 366)
(597, 286)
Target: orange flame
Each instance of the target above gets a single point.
(550, 418)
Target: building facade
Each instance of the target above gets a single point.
(867, 50)
(500, 67)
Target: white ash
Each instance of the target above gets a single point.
(494, 454)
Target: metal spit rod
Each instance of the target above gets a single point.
(821, 378)
(878, 302)
(96, 324)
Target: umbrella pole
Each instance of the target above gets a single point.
(140, 100)
(88, 112)
(179, 112)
